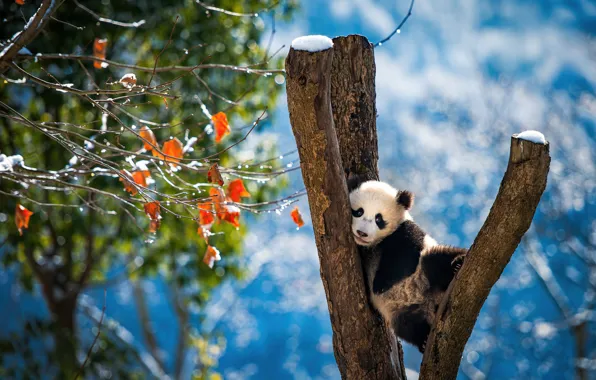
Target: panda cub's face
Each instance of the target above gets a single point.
(377, 210)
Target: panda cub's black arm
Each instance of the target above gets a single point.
(440, 264)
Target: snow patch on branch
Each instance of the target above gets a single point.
(312, 43)
(8, 162)
(532, 136)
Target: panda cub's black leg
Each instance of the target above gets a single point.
(440, 265)
(412, 326)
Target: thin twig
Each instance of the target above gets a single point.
(109, 21)
(103, 311)
(398, 29)
(162, 50)
(237, 14)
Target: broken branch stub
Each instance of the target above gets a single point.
(508, 220)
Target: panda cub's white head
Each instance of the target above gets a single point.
(377, 210)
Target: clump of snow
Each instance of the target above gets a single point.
(533, 136)
(8, 162)
(312, 43)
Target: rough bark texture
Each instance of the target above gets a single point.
(309, 103)
(353, 100)
(508, 220)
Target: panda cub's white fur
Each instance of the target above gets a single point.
(407, 270)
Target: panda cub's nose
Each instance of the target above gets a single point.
(361, 234)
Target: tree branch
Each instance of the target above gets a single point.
(508, 220)
(148, 333)
(309, 103)
(32, 28)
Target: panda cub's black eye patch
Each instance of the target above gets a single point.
(357, 213)
(380, 222)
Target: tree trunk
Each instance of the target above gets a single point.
(353, 100)
(360, 347)
(508, 220)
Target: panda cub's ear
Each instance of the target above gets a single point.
(354, 181)
(406, 199)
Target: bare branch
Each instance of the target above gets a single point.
(110, 21)
(103, 312)
(243, 69)
(28, 34)
(398, 28)
(508, 220)
(238, 14)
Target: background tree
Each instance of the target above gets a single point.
(67, 112)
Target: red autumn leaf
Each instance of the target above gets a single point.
(236, 190)
(147, 135)
(231, 214)
(214, 176)
(174, 149)
(206, 217)
(221, 126)
(128, 182)
(99, 51)
(20, 2)
(211, 256)
(21, 217)
(297, 217)
(152, 209)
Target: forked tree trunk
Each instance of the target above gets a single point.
(334, 142)
(360, 347)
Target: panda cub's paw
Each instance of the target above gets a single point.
(457, 263)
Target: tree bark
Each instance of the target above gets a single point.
(360, 349)
(509, 218)
(353, 100)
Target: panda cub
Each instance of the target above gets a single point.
(407, 271)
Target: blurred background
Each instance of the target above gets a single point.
(452, 86)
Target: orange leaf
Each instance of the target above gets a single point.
(21, 217)
(174, 149)
(214, 176)
(152, 209)
(147, 135)
(221, 126)
(231, 215)
(206, 217)
(236, 190)
(218, 198)
(99, 51)
(20, 2)
(127, 181)
(297, 217)
(139, 176)
(211, 256)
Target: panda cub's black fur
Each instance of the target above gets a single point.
(407, 271)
